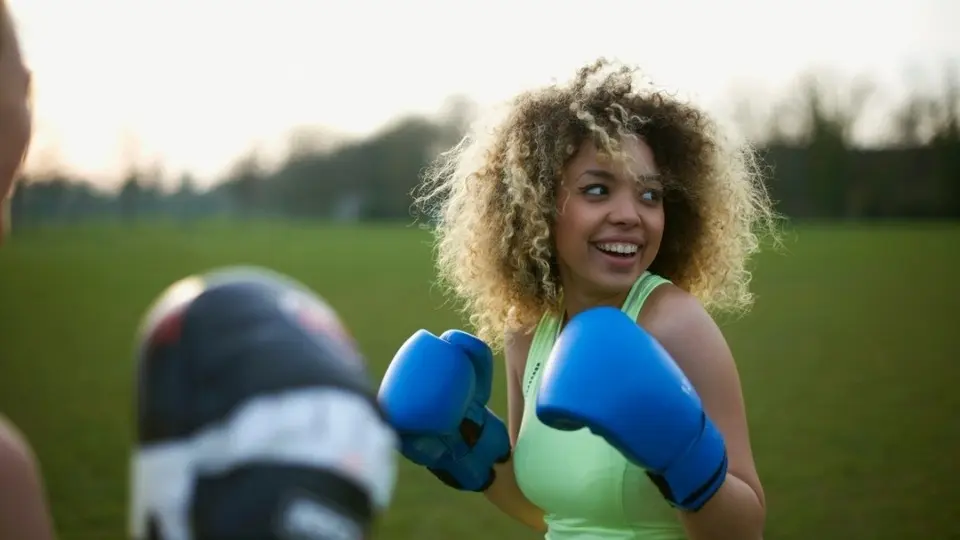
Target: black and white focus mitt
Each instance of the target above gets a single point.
(256, 417)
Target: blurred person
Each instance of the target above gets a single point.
(24, 509)
(15, 115)
(256, 417)
(586, 205)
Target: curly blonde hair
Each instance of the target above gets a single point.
(492, 198)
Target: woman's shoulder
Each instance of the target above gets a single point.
(682, 324)
(516, 348)
(671, 310)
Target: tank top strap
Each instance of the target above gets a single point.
(640, 292)
(550, 324)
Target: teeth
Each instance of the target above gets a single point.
(618, 247)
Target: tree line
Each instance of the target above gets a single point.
(814, 170)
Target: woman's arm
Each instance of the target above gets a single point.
(505, 494)
(686, 330)
(23, 513)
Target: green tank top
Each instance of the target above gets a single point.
(585, 487)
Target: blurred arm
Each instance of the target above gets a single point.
(24, 514)
(505, 494)
(738, 510)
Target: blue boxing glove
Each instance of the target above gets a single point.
(434, 394)
(607, 374)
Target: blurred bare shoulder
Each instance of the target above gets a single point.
(13, 445)
(25, 514)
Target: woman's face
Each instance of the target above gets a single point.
(610, 222)
(15, 118)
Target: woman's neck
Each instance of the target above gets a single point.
(576, 301)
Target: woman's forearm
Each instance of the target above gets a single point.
(734, 513)
(505, 494)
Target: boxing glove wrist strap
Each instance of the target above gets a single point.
(488, 443)
(694, 477)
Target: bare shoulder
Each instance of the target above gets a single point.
(678, 320)
(28, 516)
(18, 465)
(13, 446)
(671, 312)
(516, 348)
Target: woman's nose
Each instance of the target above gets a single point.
(624, 210)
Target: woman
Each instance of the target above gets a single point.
(604, 192)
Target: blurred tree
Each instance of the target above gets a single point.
(130, 194)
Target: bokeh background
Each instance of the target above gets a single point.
(178, 136)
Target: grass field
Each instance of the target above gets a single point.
(849, 363)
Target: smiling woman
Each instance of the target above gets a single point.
(609, 192)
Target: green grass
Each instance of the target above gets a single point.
(848, 363)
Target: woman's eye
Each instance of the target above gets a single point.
(595, 189)
(651, 195)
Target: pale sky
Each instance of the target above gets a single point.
(199, 82)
